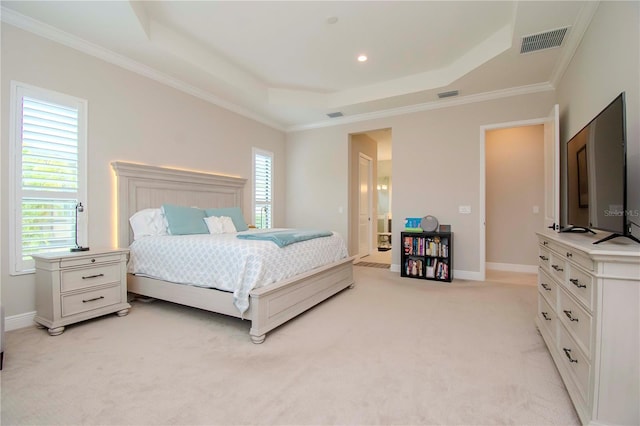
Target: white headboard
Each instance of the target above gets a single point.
(141, 186)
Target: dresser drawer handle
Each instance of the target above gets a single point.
(543, 257)
(567, 352)
(569, 254)
(545, 286)
(568, 314)
(557, 268)
(544, 243)
(575, 282)
(93, 300)
(544, 314)
(93, 276)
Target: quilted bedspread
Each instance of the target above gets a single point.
(225, 262)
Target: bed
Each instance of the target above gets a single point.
(142, 186)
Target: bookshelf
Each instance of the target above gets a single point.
(427, 255)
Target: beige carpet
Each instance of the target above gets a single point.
(389, 351)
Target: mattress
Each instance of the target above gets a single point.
(225, 262)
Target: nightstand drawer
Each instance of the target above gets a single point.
(89, 260)
(75, 279)
(81, 302)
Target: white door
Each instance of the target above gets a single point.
(365, 174)
(552, 170)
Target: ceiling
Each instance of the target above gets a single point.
(289, 64)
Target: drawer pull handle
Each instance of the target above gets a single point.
(575, 282)
(557, 268)
(543, 257)
(568, 314)
(93, 300)
(544, 243)
(93, 276)
(569, 254)
(567, 352)
(545, 286)
(544, 314)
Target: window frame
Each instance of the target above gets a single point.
(17, 266)
(254, 201)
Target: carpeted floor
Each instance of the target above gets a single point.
(389, 351)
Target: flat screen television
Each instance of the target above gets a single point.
(596, 175)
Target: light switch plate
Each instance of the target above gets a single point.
(464, 209)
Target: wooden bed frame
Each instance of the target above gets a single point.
(141, 186)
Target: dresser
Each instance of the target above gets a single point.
(589, 317)
(73, 287)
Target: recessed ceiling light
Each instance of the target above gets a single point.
(332, 20)
(362, 58)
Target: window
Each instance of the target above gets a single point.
(262, 188)
(47, 172)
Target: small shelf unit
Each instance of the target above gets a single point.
(427, 255)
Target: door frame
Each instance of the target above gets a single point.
(483, 184)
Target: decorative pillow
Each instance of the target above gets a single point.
(234, 213)
(185, 220)
(220, 225)
(148, 222)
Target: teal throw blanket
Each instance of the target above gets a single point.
(285, 237)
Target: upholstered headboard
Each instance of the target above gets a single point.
(141, 186)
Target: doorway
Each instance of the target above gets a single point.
(370, 227)
(546, 212)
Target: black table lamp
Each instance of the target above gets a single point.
(79, 208)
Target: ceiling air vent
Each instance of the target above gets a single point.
(335, 114)
(546, 40)
(448, 94)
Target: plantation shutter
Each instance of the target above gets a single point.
(47, 175)
(263, 189)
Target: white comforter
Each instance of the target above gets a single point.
(225, 262)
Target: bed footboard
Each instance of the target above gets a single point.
(274, 305)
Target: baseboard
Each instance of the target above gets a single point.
(15, 322)
(457, 274)
(512, 267)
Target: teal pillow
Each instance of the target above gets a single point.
(233, 212)
(185, 220)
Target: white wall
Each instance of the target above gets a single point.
(436, 168)
(606, 63)
(131, 118)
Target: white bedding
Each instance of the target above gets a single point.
(225, 262)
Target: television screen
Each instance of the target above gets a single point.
(596, 172)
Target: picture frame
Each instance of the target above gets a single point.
(583, 177)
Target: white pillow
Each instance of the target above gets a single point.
(148, 222)
(220, 225)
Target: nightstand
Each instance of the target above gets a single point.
(73, 287)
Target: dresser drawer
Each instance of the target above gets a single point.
(89, 260)
(75, 279)
(581, 284)
(547, 316)
(548, 288)
(573, 358)
(580, 258)
(575, 319)
(89, 300)
(543, 257)
(558, 267)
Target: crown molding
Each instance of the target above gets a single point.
(464, 100)
(49, 32)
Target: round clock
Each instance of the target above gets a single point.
(429, 223)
